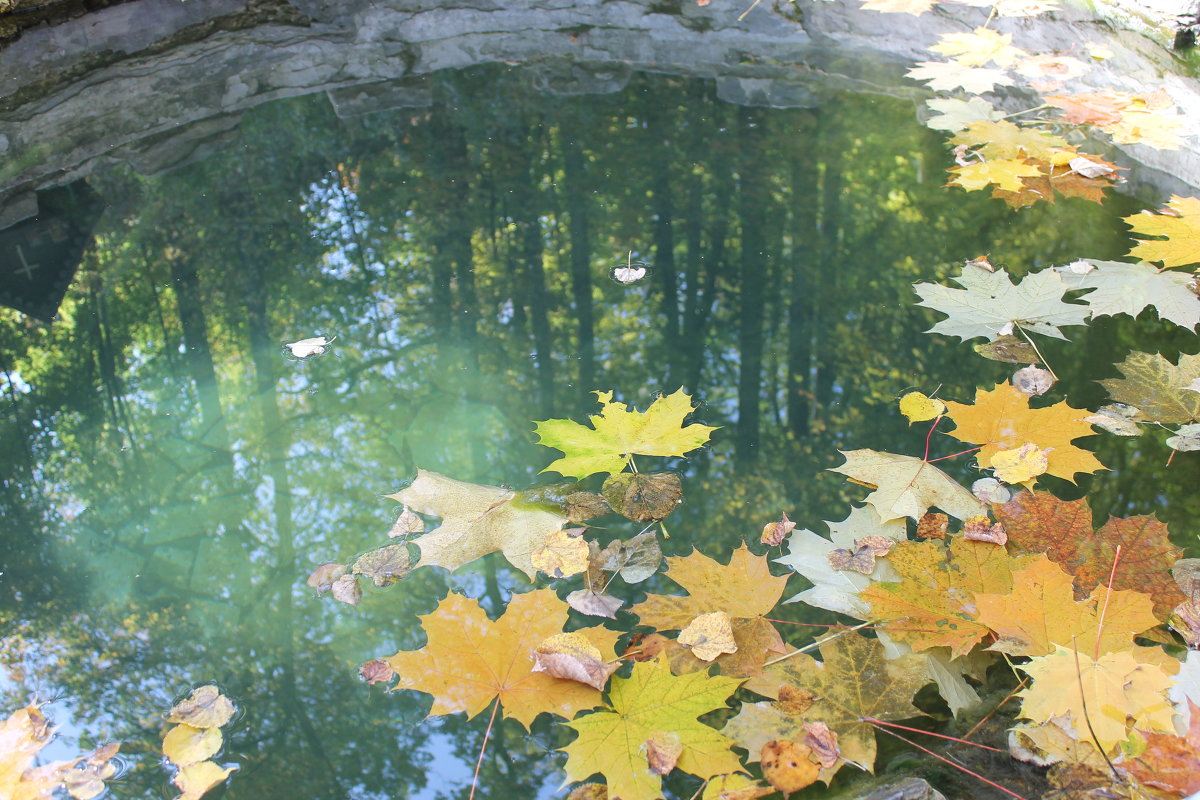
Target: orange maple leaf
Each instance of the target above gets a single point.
(934, 602)
(1041, 612)
(1171, 763)
(745, 589)
(1038, 522)
(1001, 419)
(470, 660)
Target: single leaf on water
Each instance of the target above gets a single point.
(187, 744)
(1038, 522)
(1114, 685)
(572, 657)
(788, 765)
(1001, 419)
(917, 407)
(194, 780)
(852, 681)
(469, 660)
(709, 636)
(1157, 388)
(989, 304)
(634, 560)
(562, 553)
(376, 671)
(1120, 288)
(476, 520)
(773, 533)
(1032, 380)
(905, 486)
(205, 707)
(617, 433)
(1179, 225)
(651, 701)
(643, 497)
(744, 589)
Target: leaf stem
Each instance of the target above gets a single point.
(633, 464)
(814, 645)
(875, 721)
(929, 436)
(1107, 595)
(1011, 695)
(753, 5)
(1033, 344)
(954, 455)
(701, 789)
(483, 747)
(1087, 717)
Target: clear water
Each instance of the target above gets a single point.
(171, 476)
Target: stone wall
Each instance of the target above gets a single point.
(153, 83)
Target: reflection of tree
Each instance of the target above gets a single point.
(445, 246)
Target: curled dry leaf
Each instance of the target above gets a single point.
(823, 742)
(562, 553)
(1033, 380)
(643, 497)
(594, 604)
(406, 523)
(862, 558)
(572, 657)
(323, 576)
(1020, 464)
(787, 765)
(709, 636)
(346, 590)
(376, 671)
(990, 490)
(773, 533)
(384, 565)
(934, 525)
(663, 749)
(982, 529)
(794, 700)
(1185, 620)
(205, 707)
(1186, 572)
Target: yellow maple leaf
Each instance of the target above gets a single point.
(744, 589)
(1041, 612)
(1001, 419)
(1001, 139)
(1179, 225)
(1006, 173)
(979, 47)
(934, 601)
(945, 76)
(470, 660)
(1159, 128)
(1116, 687)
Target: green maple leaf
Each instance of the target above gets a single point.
(1157, 388)
(652, 701)
(989, 303)
(618, 433)
(1120, 288)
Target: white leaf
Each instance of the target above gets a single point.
(1120, 288)
(314, 346)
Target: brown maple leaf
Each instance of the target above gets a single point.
(1170, 763)
(744, 589)
(1038, 522)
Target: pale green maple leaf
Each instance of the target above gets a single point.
(1157, 388)
(652, 701)
(1120, 288)
(989, 304)
(954, 115)
(906, 486)
(618, 433)
(837, 589)
(945, 76)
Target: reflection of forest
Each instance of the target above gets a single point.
(172, 477)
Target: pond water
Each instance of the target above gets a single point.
(172, 474)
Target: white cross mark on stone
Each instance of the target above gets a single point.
(28, 268)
